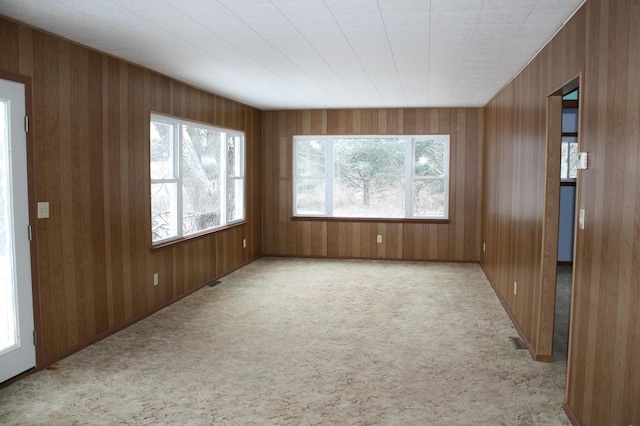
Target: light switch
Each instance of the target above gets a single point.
(43, 210)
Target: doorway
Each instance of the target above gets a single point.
(17, 348)
(566, 226)
(556, 152)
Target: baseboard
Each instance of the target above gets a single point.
(48, 362)
(514, 321)
(571, 415)
(297, 256)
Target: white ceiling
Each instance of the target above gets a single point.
(281, 54)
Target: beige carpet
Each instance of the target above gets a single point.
(307, 342)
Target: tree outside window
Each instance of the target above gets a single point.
(197, 177)
(371, 176)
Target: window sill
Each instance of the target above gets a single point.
(367, 220)
(174, 242)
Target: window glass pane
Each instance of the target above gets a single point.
(429, 197)
(310, 158)
(369, 177)
(164, 211)
(570, 120)
(201, 154)
(310, 196)
(564, 163)
(162, 150)
(234, 156)
(569, 157)
(573, 160)
(235, 199)
(429, 157)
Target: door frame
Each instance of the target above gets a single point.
(551, 216)
(33, 217)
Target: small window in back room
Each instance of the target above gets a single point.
(569, 150)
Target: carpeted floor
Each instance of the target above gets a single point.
(562, 314)
(307, 342)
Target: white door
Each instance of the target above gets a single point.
(17, 350)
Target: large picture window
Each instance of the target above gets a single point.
(197, 178)
(382, 177)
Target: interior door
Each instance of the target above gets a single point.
(17, 350)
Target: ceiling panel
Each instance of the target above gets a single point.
(281, 54)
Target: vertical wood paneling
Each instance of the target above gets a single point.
(602, 40)
(91, 133)
(514, 179)
(457, 240)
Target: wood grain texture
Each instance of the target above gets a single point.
(458, 240)
(602, 40)
(90, 127)
(550, 230)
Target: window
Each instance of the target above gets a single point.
(197, 178)
(381, 177)
(569, 150)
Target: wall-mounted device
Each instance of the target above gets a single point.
(582, 160)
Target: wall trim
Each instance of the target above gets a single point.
(292, 256)
(572, 416)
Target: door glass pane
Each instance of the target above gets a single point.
(8, 333)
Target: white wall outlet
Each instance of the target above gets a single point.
(244, 243)
(155, 279)
(515, 287)
(379, 239)
(43, 210)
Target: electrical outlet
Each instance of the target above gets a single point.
(515, 287)
(155, 279)
(244, 243)
(43, 210)
(379, 238)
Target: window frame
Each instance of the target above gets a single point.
(409, 176)
(178, 177)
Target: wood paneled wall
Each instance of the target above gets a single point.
(90, 122)
(458, 240)
(602, 40)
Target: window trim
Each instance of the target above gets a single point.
(409, 171)
(176, 123)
